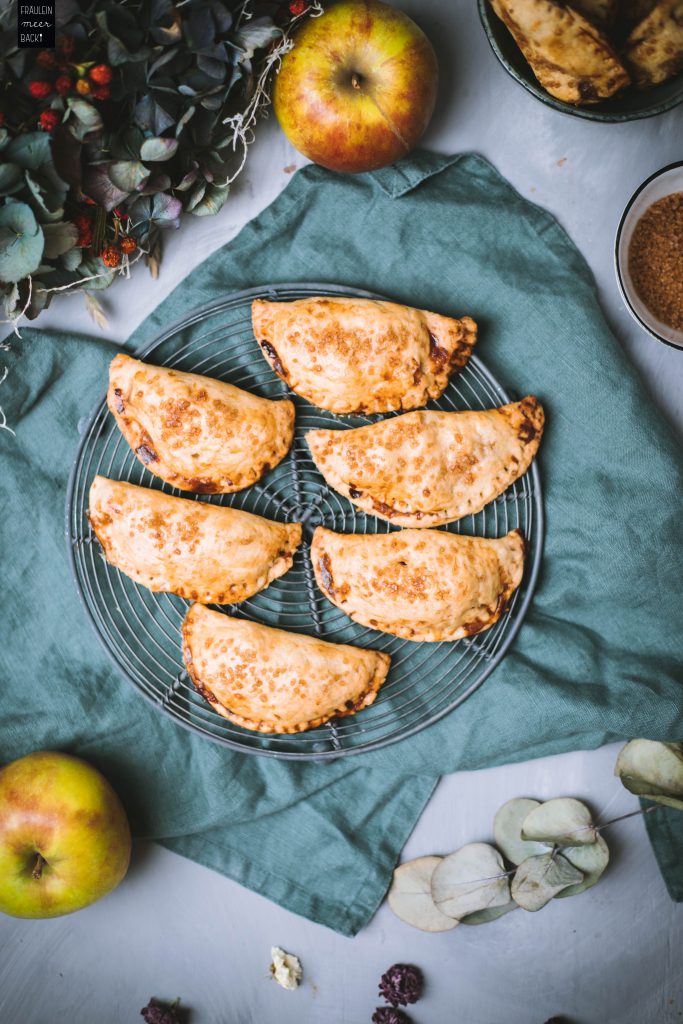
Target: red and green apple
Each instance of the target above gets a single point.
(358, 89)
(64, 836)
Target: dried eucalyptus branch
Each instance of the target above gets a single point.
(555, 846)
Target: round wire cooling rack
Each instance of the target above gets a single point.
(141, 631)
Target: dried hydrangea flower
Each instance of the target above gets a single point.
(389, 1015)
(401, 984)
(285, 968)
(156, 1013)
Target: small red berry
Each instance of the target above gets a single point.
(100, 92)
(297, 7)
(111, 257)
(83, 86)
(128, 245)
(46, 59)
(48, 120)
(63, 85)
(101, 73)
(39, 90)
(84, 223)
(67, 45)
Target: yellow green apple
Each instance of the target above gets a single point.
(358, 89)
(64, 836)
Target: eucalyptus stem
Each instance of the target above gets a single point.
(631, 814)
(613, 821)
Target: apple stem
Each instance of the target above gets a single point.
(38, 867)
(355, 81)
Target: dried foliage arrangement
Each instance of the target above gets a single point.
(143, 112)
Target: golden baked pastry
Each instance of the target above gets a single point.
(201, 552)
(361, 355)
(197, 433)
(569, 55)
(654, 50)
(272, 681)
(600, 12)
(419, 584)
(427, 468)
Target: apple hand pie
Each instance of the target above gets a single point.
(424, 585)
(197, 433)
(600, 12)
(427, 468)
(569, 56)
(361, 355)
(654, 50)
(272, 681)
(198, 551)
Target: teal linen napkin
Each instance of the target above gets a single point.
(600, 655)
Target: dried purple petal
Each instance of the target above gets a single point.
(401, 984)
(389, 1015)
(157, 1013)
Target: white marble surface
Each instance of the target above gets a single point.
(610, 956)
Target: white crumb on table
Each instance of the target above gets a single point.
(285, 968)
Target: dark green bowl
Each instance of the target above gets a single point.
(630, 106)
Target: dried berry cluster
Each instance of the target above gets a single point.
(59, 73)
(158, 1013)
(400, 985)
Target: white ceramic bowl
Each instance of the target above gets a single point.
(662, 183)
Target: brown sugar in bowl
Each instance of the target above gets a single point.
(648, 262)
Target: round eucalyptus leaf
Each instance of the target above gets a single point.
(473, 878)
(652, 770)
(507, 830)
(562, 822)
(591, 860)
(410, 896)
(489, 914)
(538, 879)
(21, 242)
(156, 149)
